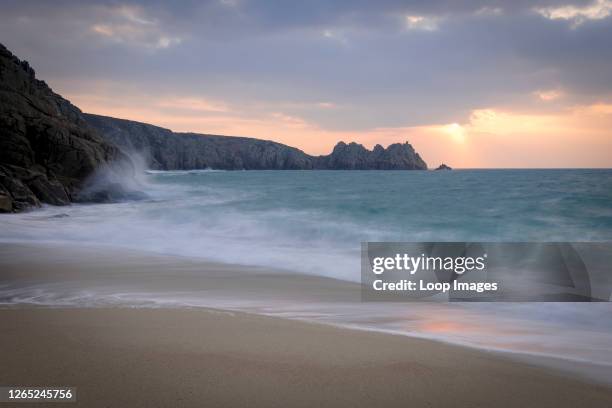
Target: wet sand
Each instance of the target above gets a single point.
(193, 358)
(168, 356)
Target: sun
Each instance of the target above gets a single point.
(456, 131)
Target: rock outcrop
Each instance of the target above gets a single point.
(443, 167)
(47, 150)
(354, 156)
(166, 150)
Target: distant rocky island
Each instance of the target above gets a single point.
(443, 167)
(50, 150)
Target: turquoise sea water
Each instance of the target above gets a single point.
(323, 214)
(314, 222)
(499, 205)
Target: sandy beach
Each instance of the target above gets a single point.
(147, 358)
(187, 356)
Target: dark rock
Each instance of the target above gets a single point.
(109, 193)
(166, 150)
(6, 201)
(21, 197)
(443, 167)
(49, 191)
(47, 150)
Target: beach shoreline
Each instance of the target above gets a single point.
(84, 288)
(187, 357)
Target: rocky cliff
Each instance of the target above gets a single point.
(166, 150)
(47, 150)
(50, 151)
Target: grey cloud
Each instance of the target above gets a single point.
(274, 52)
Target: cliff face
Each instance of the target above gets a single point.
(47, 150)
(166, 150)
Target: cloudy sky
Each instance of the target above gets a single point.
(470, 83)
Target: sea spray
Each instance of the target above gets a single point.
(120, 180)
